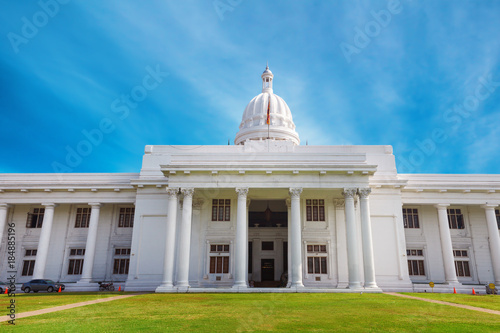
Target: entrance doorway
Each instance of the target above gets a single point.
(267, 269)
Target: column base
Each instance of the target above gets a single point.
(182, 289)
(371, 285)
(297, 285)
(240, 287)
(453, 283)
(355, 285)
(165, 288)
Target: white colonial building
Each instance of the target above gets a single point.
(261, 213)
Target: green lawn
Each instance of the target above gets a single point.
(481, 301)
(42, 300)
(263, 312)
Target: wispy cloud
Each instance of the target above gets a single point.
(395, 91)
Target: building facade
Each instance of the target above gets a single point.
(265, 212)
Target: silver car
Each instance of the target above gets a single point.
(44, 285)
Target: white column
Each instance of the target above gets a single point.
(3, 220)
(366, 234)
(289, 240)
(168, 263)
(241, 243)
(494, 237)
(185, 238)
(341, 244)
(446, 245)
(296, 238)
(88, 260)
(44, 241)
(352, 239)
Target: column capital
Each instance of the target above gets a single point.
(442, 206)
(339, 203)
(172, 192)
(242, 192)
(349, 192)
(489, 206)
(364, 192)
(198, 203)
(295, 192)
(188, 192)
(49, 204)
(95, 204)
(4, 206)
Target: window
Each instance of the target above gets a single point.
(75, 266)
(29, 264)
(82, 217)
(462, 263)
(219, 258)
(410, 218)
(316, 260)
(126, 219)
(267, 246)
(455, 219)
(77, 252)
(415, 262)
(121, 261)
(497, 213)
(315, 209)
(221, 209)
(35, 219)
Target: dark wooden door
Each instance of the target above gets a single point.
(267, 269)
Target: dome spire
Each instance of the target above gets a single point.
(267, 80)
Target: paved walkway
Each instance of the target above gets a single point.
(64, 307)
(463, 306)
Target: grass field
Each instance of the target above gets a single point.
(263, 312)
(481, 301)
(32, 301)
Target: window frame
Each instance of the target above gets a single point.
(219, 258)
(416, 262)
(75, 260)
(317, 259)
(411, 221)
(456, 218)
(121, 260)
(37, 214)
(462, 263)
(267, 245)
(28, 267)
(221, 210)
(315, 210)
(123, 222)
(82, 217)
(28, 263)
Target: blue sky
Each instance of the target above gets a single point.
(422, 76)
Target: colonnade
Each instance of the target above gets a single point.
(241, 240)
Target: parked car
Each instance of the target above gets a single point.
(3, 286)
(44, 285)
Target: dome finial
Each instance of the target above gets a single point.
(267, 80)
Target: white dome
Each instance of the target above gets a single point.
(254, 122)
